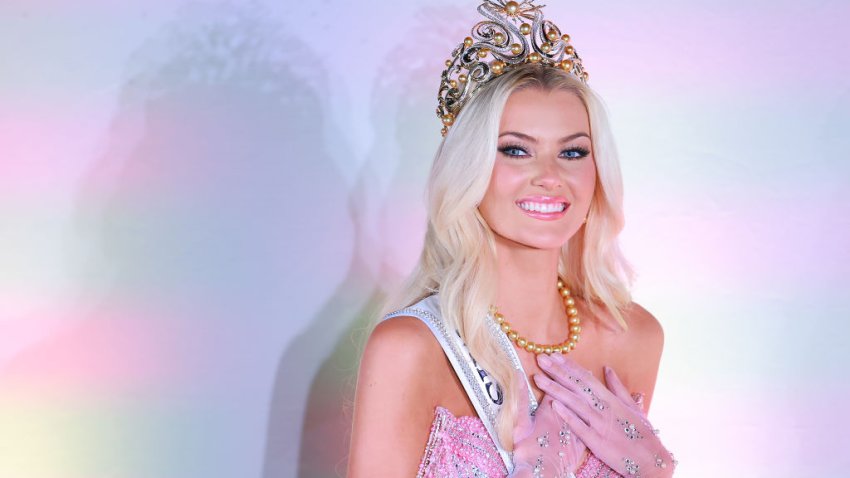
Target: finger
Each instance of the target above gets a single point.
(524, 423)
(567, 397)
(576, 424)
(616, 385)
(573, 378)
(621, 391)
(572, 365)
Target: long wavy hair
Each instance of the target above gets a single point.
(458, 257)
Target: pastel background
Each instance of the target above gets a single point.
(201, 204)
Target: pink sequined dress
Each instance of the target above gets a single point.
(461, 447)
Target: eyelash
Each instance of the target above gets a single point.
(504, 149)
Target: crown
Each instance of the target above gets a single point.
(513, 33)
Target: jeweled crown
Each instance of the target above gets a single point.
(514, 33)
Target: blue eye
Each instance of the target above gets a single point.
(576, 152)
(513, 150)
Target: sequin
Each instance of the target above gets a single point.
(460, 447)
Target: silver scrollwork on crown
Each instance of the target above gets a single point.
(505, 39)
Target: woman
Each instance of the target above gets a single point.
(493, 361)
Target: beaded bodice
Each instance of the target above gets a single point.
(463, 446)
(460, 447)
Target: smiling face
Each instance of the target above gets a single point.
(544, 174)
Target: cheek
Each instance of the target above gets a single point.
(504, 184)
(584, 179)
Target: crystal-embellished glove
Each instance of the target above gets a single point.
(609, 422)
(544, 445)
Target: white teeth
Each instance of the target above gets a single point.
(541, 207)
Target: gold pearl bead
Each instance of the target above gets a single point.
(552, 35)
(499, 38)
(461, 78)
(525, 28)
(467, 42)
(516, 48)
(565, 37)
(545, 48)
(523, 343)
(569, 50)
(448, 119)
(483, 52)
(585, 75)
(534, 57)
(497, 67)
(448, 63)
(453, 83)
(511, 8)
(570, 302)
(565, 293)
(567, 65)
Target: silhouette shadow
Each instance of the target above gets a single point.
(215, 203)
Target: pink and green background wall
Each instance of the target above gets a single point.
(201, 203)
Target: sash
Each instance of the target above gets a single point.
(484, 393)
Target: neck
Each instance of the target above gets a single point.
(528, 294)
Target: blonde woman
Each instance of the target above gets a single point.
(514, 347)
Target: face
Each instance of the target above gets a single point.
(544, 174)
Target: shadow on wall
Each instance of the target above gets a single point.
(202, 206)
(389, 232)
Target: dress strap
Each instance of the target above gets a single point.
(484, 393)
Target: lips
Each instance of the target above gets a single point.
(544, 207)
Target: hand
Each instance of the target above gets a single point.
(544, 445)
(609, 422)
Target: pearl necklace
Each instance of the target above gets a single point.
(564, 347)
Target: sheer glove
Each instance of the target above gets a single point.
(544, 445)
(609, 422)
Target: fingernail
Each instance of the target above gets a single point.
(607, 369)
(544, 360)
(559, 358)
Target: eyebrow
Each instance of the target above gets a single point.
(532, 139)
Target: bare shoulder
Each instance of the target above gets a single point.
(646, 327)
(643, 352)
(395, 398)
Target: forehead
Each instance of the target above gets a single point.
(542, 114)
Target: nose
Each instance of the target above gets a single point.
(547, 174)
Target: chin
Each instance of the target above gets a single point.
(545, 242)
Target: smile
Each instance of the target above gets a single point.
(544, 208)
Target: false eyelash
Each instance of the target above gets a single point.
(583, 151)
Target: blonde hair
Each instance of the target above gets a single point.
(458, 257)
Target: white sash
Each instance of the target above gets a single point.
(484, 393)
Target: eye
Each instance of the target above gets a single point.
(513, 150)
(576, 152)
